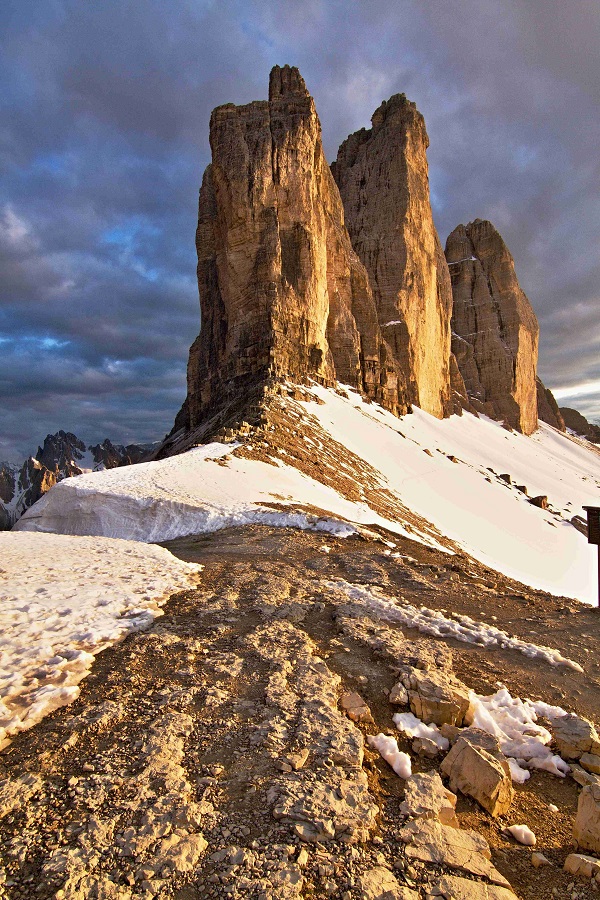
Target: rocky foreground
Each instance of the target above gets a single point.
(225, 752)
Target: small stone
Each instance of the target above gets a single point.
(356, 708)
(425, 747)
(298, 759)
(302, 857)
(541, 501)
(450, 732)
(538, 860)
(579, 864)
(399, 695)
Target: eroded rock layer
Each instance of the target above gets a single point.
(495, 329)
(282, 293)
(382, 175)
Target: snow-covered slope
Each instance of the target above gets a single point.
(428, 471)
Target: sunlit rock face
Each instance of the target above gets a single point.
(383, 179)
(495, 327)
(282, 292)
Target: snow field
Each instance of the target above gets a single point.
(192, 494)
(490, 520)
(63, 600)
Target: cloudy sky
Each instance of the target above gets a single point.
(104, 137)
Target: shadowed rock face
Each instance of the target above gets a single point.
(382, 175)
(282, 293)
(548, 410)
(495, 328)
(578, 423)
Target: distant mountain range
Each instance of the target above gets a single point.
(62, 455)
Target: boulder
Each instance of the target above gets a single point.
(436, 696)
(586, 830)
(586, 866)
(425, 797)
(476, 767)
(582, 777)
(590, 762)
(575, 736)
(399, 695)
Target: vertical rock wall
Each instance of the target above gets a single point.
(495, 329)
(382, 175)
(282, 293)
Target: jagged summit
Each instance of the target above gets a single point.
(286, 81)
(382, 175)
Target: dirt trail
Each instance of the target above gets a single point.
(208, 757)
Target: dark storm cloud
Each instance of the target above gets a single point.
(104, 136)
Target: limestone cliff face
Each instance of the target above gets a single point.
(495, 328)
(282, 293)
(382, 175)
(548, 410)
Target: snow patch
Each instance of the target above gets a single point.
(523, 834)
(412, 727)
(388, 749)
(514, 722)
(461, 628)
(63, 600)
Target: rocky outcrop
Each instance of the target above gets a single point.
(578, 423)
(382, 175)
(548, 410)
(495, 328)
(282, 293)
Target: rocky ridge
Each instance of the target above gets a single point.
(62, 455)
(578, 423)
(282, 292)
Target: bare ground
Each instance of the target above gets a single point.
(162, 779)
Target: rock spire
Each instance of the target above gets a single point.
(495, 331)
(282, 292)
(338, 274)
(383, 179)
